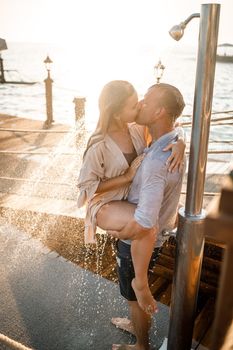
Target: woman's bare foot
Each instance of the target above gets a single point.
(124, 347)
(145, 298)
(123, 323)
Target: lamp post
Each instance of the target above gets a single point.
(159, 69)
(48, 93)
(190, 233)
(3, 46)
(2, 76)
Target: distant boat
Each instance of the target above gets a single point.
(224, 56)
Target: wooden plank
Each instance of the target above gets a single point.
(167, 261)
(165, 267)
(163, 272)
(165, 297)
(168, 274)
(204, 320)
(208, 289)
(224, 307)
(219, 226)
(206, 341)
(213, 250)
(209, 277)
(158, 286)
(211, 264)
(169, 250)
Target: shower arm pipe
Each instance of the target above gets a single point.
(190, 232)
(194, 15)
(177, 31)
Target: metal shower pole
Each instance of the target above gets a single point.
(190, 234)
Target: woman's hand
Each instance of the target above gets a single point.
(131, 171)
(176, 159)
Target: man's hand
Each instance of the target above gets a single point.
(132, 231)
(117, 234)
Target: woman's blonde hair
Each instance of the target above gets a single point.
(112, 100)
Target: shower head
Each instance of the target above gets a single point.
(177, 31)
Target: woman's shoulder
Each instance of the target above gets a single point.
(97, 149)
(100, 144)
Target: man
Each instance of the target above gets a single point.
(156, 193)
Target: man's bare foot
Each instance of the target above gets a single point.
(123, 323)
(124, 347)
(145, 298)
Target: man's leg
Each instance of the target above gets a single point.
(141, 322)
(126, 324)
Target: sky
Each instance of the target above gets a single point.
(105, 23)
(98, 36)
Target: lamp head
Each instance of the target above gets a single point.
(3, 45)
(48, 62)
(159, 68)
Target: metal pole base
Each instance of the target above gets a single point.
(189, 252)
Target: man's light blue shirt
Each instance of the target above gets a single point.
(155, 190)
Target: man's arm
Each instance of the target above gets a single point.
(132, 230)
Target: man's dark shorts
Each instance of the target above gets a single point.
(125, 269)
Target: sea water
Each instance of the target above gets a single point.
(78, 73)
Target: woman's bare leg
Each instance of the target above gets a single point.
(141, 251)
(114, 216)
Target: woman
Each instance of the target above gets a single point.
(113, 154)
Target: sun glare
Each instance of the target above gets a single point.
(98, 41)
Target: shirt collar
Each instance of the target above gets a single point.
(163, 141)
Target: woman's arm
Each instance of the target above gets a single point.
(92, 180)
(121, 180)
(176, 159)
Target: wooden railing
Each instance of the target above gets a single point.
(219, 227)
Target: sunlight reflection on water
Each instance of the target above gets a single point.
(75, 74)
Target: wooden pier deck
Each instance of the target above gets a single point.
(50, 214)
